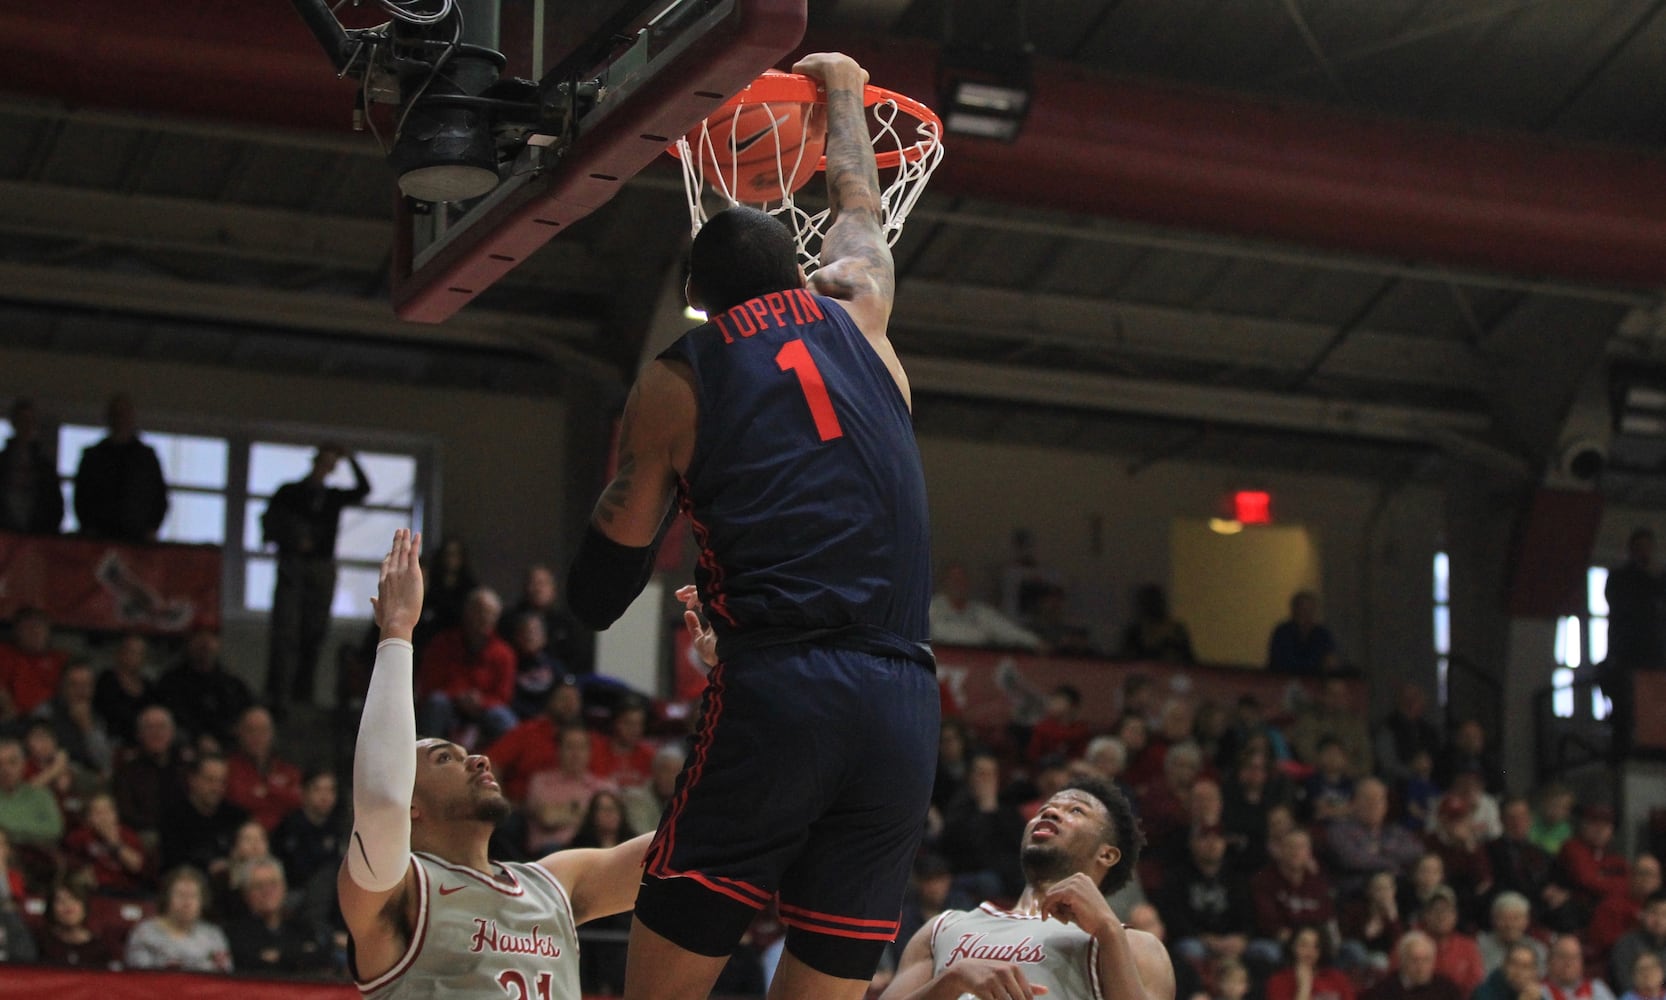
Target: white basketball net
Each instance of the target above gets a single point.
(897, 197)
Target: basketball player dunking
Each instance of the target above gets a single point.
(429, 913)
(783, 428)
(1061, 940)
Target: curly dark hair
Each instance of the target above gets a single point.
(1122, 832)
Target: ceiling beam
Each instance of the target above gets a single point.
(1179, 401)
(545, 337)
(1158, 332)
(246, 232)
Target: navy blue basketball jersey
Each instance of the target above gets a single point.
(805, 489)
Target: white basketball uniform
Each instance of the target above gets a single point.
(479, 937)
(1054, 954)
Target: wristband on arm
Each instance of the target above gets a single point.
(605, 578)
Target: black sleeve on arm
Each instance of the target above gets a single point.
(606, 577)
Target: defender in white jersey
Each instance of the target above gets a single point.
(431, 916)
(1061, 940)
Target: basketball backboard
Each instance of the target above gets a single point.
(636, 74)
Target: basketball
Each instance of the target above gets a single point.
(761, 151)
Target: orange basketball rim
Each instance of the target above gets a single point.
(907, 138)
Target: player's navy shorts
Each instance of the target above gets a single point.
(810, 776)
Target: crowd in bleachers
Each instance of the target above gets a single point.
(150, 819)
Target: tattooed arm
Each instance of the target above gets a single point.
(856, 266)
(656, 440)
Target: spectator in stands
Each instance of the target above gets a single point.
(64, 938)
(602, 963)
(1300, 645)
(1135, 734)
(30, 501)
(1207, 909)
(1365, 843)
(178, 937)
(1328, 792)
(954, 747)
(1405, 732)
(119, 490)
(1636, 595)
(113, 854)
(150, 776)
(200, 829)
(268, 941)
(76, 724)
(1249, 726)
(28, 813)
(1174, 726)
(449, 579)
(263, 784)
(535, 669)
(1566, 978)
(1371, 923)
(1310, 974)
(1618, 913)
(1419, 795)
(556, 799)
(982, 833)
(1061, 730)
(1163, 805)
(959, 620)
(310, 839)
(47, 765)
(1519, 975)
(646, 803)
(1553, 823)
(1292, 892)
(302, 520)
(124, 690)
(1512, 914)
(1457, 956)
(1335, 716)
(1210, 725)
(930, 892)
(535, 745)
(1648, 978)
(1648, 937)
(29, 666)
(1415, 977)
(1188, 985)
(1232, 981)
(206, 699)
(468, 675)
(621, 756)
(1591, 869)
(1247, 797)
(1428, 874)
(1154, 634)
(1469, 751)
(1457, 841)
(17, 944)
(249, 844)
(570, 644)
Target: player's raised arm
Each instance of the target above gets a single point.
(656, 438)
(856, 265)
(373, 878)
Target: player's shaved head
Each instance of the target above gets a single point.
(741, 253)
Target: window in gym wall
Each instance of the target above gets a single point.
(1443, 623)
(363, 540)
(1582, 639)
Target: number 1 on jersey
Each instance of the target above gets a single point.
(795, 357)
